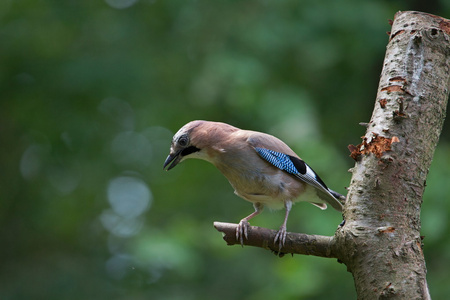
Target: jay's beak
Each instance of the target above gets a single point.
(173, 160)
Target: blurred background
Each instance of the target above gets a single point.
(92, 92)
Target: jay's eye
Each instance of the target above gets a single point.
(183, 141)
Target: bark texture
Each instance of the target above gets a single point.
(296, 243)
(380, 242)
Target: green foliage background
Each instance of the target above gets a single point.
(91, 94)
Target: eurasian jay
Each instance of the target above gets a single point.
(261, 168)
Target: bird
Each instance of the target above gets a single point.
(261, 168)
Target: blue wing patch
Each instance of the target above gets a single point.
(297, 167)
(279, 160)
(292, 165)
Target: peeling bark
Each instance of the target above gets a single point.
(380, 242)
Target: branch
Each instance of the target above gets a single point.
(296, 243)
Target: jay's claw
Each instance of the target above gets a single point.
(242, 231)
(280, 237)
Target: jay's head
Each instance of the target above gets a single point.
(184, 144)
(195, 140)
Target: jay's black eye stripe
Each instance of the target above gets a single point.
(189, 150)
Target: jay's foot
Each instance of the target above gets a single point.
(242, 231)
(280, 237)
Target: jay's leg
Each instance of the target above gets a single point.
(281, 234)
(242, 229)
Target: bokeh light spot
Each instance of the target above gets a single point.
(118, 265)
(131, 148)
(121, 4)
(31, 161)
(120, 226)
(63, 180)
(129, 197)
(119, 111)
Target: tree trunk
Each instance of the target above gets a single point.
(380, 242)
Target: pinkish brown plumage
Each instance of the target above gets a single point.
(261, 168)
